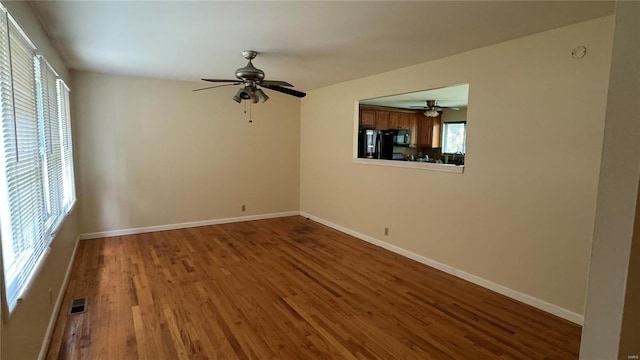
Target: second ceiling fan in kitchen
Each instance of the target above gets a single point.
(433, 109)
(252, 81)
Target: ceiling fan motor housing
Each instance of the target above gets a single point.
(250, 73)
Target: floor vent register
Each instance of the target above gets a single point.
(78, 306)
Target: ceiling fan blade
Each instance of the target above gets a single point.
(275, 82)
(281, 89)
(212, 87)
(221, 80)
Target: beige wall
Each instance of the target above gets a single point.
(152, 152)
(23, 334)
(454, 115)
(613, 233)
(523, 221)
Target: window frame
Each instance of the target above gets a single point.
(444, 136)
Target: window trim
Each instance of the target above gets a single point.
(442, 141)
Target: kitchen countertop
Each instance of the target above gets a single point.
(451, 168)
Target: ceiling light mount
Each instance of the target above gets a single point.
(249, 54)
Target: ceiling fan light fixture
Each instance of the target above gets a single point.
(262, 97)
(245, 93)
(238, 96)
(431, 113)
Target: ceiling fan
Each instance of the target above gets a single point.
(253, 80)
(433, 109)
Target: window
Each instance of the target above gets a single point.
(453, 137)
(36, 170)
(69, 189)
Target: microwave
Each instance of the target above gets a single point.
(402, 138)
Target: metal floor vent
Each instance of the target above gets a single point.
(78, 306)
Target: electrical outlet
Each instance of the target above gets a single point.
(386, 231)
(244, 207)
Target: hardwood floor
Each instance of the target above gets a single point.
(286, 288)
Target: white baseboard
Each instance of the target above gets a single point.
(147, 229)
(57, 305)
(522, 297)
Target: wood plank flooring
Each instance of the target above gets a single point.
(286, 288)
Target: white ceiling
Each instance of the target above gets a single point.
(309, 44)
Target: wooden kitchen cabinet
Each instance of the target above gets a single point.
(425, 132)
(367, 119)
(393, 119)
(399, 120)
(382, 120)
(436, 136)
(413, 126)
(403, 120)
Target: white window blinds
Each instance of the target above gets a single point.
(69, 189)
(51, 144)
(33, 183)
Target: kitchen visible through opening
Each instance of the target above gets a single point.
(425, 126)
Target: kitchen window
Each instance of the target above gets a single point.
(453, 137)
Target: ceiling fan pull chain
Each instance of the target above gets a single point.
(250, 120)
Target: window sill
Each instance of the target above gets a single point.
(457, 169)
